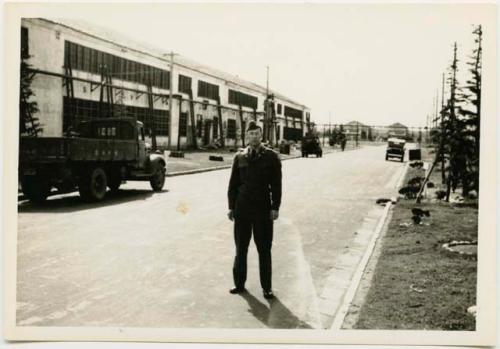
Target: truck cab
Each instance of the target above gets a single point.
(395, 149)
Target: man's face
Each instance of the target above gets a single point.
(254, 137)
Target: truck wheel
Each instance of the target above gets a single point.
(158, 179)
(93, 184)
(36, 189)
(386, 157)
(114, 181)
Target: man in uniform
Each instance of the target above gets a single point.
(254, 196)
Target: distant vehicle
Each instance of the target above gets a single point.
(311, 145)
(395, 149)
(100, 153)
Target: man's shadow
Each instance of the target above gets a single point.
(274, 316)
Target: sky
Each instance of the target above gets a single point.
(377, 64)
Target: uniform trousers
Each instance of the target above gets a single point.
(262, 227)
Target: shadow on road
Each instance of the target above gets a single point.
(72, 203)
(277, 315)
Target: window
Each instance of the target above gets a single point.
(243, 99)
(184, 84)
(292, 134)
(90, 60)
(86, 59)
(79, 58)
(215, 127)
(199, 119)
(292, 112)
(142, 134)
(75, 110)
(25, 51)
(208, 90)
(183, 124)
(279, 109)
(231, 128)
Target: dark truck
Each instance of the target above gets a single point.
(311, 145)
(99, 153)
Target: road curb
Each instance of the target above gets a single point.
(355, 281)
(351, 291)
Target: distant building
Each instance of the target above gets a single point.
(398, 130)
(364, 132)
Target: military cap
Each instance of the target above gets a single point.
(252, 125)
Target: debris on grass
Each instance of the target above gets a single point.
(415, 289)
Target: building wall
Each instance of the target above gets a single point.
(46, 45)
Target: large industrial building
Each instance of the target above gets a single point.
(79, 74)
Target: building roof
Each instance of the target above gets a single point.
(398, 125)
(121, 40)
(354, 123)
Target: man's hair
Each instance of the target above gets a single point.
(252, 125)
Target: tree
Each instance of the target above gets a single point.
(471, 113)
(28, 124)
(457, 145)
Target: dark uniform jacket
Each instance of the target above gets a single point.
(255, 184)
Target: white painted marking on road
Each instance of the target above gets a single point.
(301, 290)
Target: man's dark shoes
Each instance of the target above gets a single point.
(237, 290)
(268, 294)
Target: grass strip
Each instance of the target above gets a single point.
(417, 284)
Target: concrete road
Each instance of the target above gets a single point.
(144, 259)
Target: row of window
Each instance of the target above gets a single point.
(75, 109)
(91, 60)
(243, 99)
(208, 90)
(292, 112)
(183, 125)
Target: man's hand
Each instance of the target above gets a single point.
(274, 215)
(230, 215)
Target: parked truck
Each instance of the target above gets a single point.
(99, 154)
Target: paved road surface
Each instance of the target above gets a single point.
(143, 259)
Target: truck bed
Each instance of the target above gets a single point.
(61, 149)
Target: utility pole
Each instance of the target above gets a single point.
(436, 113)
(267, 80)
(267, 105)
(357, 132)
(170, 100)
(329, 124)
